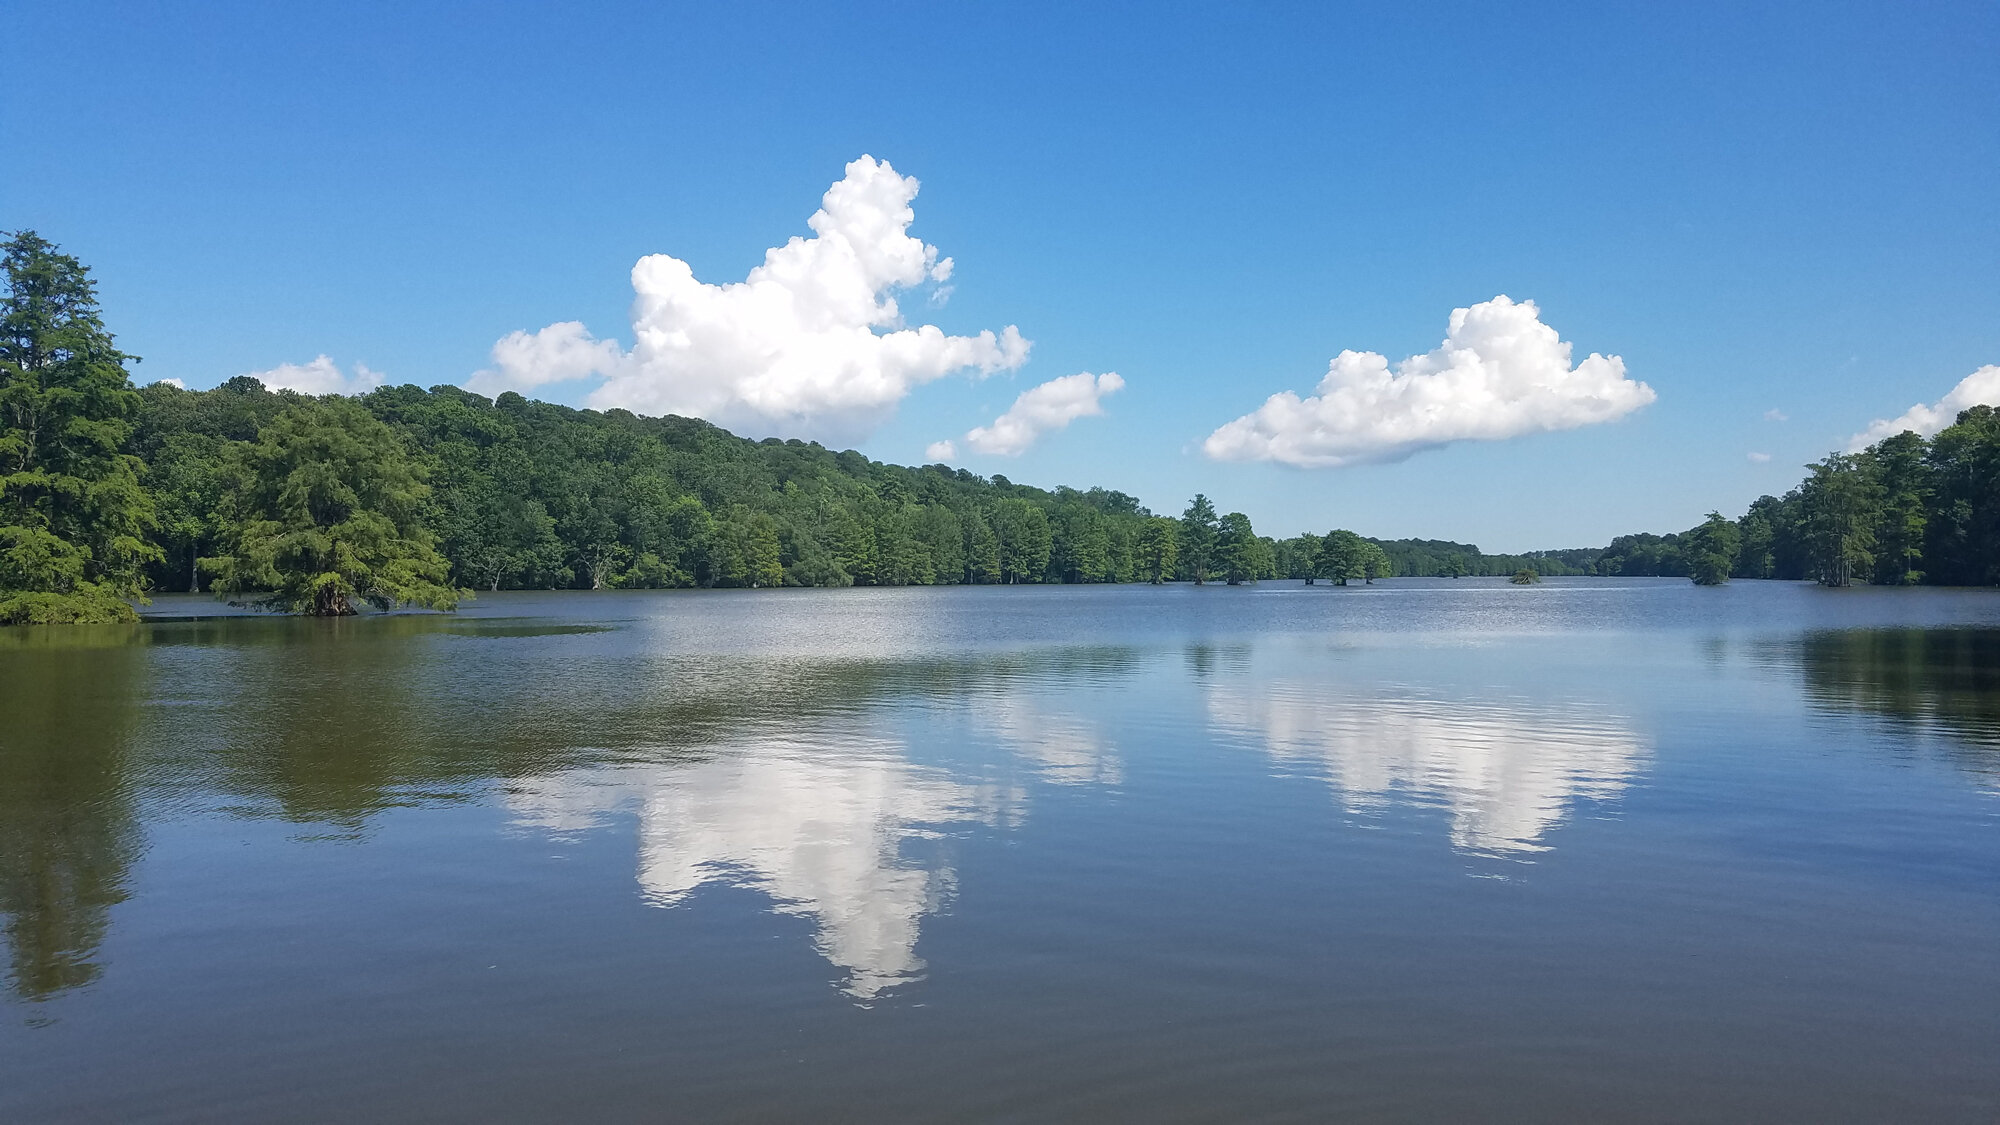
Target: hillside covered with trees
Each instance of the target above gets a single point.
(406, 496)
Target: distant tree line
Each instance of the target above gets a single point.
(1904, 511)
(516, 494)
(407, 496)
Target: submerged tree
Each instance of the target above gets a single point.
(1842, 503)
(1525, 577)
(1711, 550)
(1236, 549)
(1158, 549)
(1374, 563)
(73, 515)
(324, 512)
(1343, 555)
(1198, 530)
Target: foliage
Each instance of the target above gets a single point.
(1439, 558)
(1158, 549)
(1712, 550)
(74, 517)
(323, 511)
(406, 496)
(1841, 500)
(1903, 511)
(1375, 563)
(1525, 577)
(1962, 531)
(1237, 555)
(1198, 532)
(1342, 556)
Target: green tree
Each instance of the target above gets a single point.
(1025, 540)
(1297, 557)
(1842, 504)
(1898, 465)
(187, 477)
(1198, 531)
(1236, 549)
(943, 536)
(746, 550)
(1756, 535)
(510, 536)
(1525, 577)
(74, 517)
(323, 513)
(1711, 550)
(1082, 551)
(1374, 563)
(1343, 555)
(982, 550)
(1158, 549)
(1962, 535)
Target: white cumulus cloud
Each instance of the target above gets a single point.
(1500, 373)
(941, 451)
(523, 360)
(173, 383)
(320, 377)
(1050, 406)
(1982, 387)
(812, 343)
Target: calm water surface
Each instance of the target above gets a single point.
(1598, 850)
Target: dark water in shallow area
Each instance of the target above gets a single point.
(1593, 850)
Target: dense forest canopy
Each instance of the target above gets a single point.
(530, 494)
(405, 496)
(73, 516)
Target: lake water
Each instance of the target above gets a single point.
(1593, 850)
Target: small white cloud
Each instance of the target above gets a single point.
(1982, 387)
(1500, 373)
(811, 344)
(320, 377)
(941, 451)
(1775, 415)
(1759, 458)
(172, 383)
(1050, 406)
(560, 352)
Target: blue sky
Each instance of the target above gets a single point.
(1790, 209)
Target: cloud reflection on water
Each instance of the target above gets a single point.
(1507, 772)
(1065, 749)
(820, 823)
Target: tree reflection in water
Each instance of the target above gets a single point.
(68, 831)
(774, 774)
(1935, 681)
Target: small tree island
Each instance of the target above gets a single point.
(324, 513)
